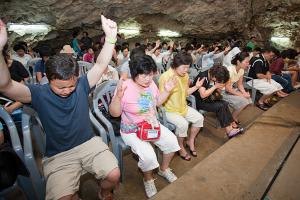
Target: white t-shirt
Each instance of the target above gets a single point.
(24, 60)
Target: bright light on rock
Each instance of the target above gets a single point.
(168, 33)
(33, 29)
(129, 32)
(282, 41)
(130, 28)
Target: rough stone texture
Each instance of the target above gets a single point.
(201, 18)
(243, 168)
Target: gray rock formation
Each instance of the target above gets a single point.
(206, 19)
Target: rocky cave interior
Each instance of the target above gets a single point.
(274, 21)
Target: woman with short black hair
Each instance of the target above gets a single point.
(135, 100)
(208, 98)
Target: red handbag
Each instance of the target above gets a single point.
(146, 132)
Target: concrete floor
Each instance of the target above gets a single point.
(209, 140)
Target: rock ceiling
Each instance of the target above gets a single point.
(196, 18)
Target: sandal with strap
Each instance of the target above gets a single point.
(186, 157)
(193, 152)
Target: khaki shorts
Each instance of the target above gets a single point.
(62, 171)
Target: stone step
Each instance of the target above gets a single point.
(244, 167)
(287, 184)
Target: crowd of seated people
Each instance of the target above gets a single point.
(150, 75)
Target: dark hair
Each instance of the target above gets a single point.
(181, 58)
(237, 44)
(61, 67)
(257, 49)
(75, 33)
(84, 32)
(137, 52)
(45, 51)
(188, 47)
(125, 44)
(287, 54)
(269, 49)
(18, 47)
(239, 57)
(124, 47)
(141, 65)
(163, 43)
(247, 49)
(293, 53)
(137, 44)
(149, 45)
(277, 52)
(220, 73)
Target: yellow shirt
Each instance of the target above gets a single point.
(176, 101)
(234, 75)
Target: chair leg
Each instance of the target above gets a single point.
(158, 155)
(27, 187)
(121, 164)
(253, 95)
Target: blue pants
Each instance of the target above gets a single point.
(285, 81)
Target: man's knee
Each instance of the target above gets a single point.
(113, 176)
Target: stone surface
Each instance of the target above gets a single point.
(288, 180)
(244, 167)
(203, 19)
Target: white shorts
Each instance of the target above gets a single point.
(182, 122)
(167, 143)
(265, 87)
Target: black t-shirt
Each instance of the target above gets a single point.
(206, 85)
(87, 42)
(258, 66)
(66, 120)
(18, 71)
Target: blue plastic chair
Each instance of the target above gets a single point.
(33, 129)
(84, 67)
(23, 182)
(104, 93)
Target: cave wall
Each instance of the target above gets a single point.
(207, 19)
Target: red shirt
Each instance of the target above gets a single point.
(88, 58)
(277, 66)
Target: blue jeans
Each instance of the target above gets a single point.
(285, 81)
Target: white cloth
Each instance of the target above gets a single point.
(265, 87)
(227, 59)
(24, 60)
(167, 143)
(207, 60)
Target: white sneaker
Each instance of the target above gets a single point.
(168, 174)
(150, 188)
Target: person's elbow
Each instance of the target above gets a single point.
(114, 112)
